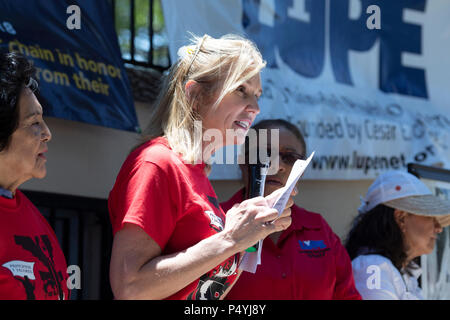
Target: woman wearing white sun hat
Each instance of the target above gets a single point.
(398, 221)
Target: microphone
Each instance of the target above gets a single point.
(256, 180)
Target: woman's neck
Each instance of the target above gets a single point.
(410, 254)
(408, 260)
(9, 183)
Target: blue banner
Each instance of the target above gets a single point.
(297, 30)
(75, 50)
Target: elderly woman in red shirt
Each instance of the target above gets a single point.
(305, 261)
(32, 263)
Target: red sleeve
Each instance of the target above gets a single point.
(144, 200)
(345, 284)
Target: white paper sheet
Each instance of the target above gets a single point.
(251, 260)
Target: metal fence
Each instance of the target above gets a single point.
(141, 33)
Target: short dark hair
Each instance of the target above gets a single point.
(377, 232)
(15, 74)
(277, 123)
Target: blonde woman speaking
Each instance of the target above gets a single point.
(171, 238)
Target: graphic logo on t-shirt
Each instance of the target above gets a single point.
(313, 248)
(21, 268)
(227, 269)
(212, 285)
(312, 244)
(215, 222)
(42, 249)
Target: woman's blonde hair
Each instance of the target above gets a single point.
(218, 66)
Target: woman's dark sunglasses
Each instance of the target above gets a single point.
(289, 158)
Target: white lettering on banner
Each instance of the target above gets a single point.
(297, 11)
(267, 12)
(355, 9)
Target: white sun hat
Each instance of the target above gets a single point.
(403, 191)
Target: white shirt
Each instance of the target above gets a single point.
(376, 278)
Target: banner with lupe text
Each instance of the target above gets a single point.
(366, 81)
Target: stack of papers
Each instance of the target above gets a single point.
(251, 260)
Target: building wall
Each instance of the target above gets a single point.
(84, 160)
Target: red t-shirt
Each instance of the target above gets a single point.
(32, 264)
(308, 263)
(175, 204)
